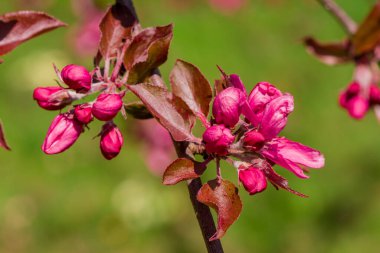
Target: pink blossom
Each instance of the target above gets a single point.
(62, 134)
(253, 140)
(107, 106)
(111, 141)
(253, 180)
(83, 113)
(217, 139)
(51, 98)
(354, 101)
(374, 95)
(227, 106)
(76, 77)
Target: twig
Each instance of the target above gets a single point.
(348, 24)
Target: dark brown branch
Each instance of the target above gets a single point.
(202, 211)
(348, 24)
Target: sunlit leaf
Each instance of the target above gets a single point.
(222, 196)
(189, 84)
(18, 27)
(182, 169)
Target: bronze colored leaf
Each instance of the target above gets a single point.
(3, 142)
(189, 84)
(221, 195)
(331, 54)
(182, 169)
(18, 27)
(169, 110)
(138, 110)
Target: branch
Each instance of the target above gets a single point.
(203, 213)
(348, 24)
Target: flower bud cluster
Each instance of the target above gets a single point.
(246, 127)
(67, 127)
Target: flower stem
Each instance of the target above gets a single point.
(348, 24)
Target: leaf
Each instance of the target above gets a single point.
(222, 196)
(331, 54)
(182, 169)
(189, 84)
(367, 37)
(148, 50)
(170, 111)
(18, 27)
(279, 181)
(138, 110)
(116, 26)
(3, 142)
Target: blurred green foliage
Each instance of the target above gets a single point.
(79, 202)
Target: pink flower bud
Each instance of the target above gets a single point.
(374, 94)
(253, 180)
(111, 141)
(217, 139)
(227, 106)
(357, 107)
(83, 113)
(62, 133)
(352, 90)
(253, 140)
(107, 106)
(51, 98)
(76, 77)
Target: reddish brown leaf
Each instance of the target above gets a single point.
(182, 169)
(189, 84)
(3, 142)
(367, 37)
(138, 110)
(279, 181)
(331, 54)
(169, 110)
(116, 26)
(148, 50)
(18, 27)
(224, 198)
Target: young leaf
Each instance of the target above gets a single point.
(18, 27)
(116, 25)
(182, 169)
(138, 110)
(330, 54)
(222, 196)
(148, 50)
(3, 142)
(189, 84)
(169, 110)
(367, 37)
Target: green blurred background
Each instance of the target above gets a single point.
(79, 202)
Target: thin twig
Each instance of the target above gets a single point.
(348, 24)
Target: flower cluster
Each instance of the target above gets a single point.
(254, 139)
(67, 127)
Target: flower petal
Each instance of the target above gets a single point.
(291, 155)
(275, 116)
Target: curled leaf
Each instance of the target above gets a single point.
(3, 142)
(138, 110)
(169, 110)
(189, 84)
(182, 169)
(18, 27)
(331, 54)
(147, 51)
(221, 195)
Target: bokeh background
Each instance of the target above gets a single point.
(78, 202)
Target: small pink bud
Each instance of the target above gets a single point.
(357, 107)
(217, 139)
(62, 133)
(76, 77)
(253, 140)
(227, 106)
(374, 94)
(111, 141)
(83, 113)
(51, 98)
(253, 180)
(107, 106)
